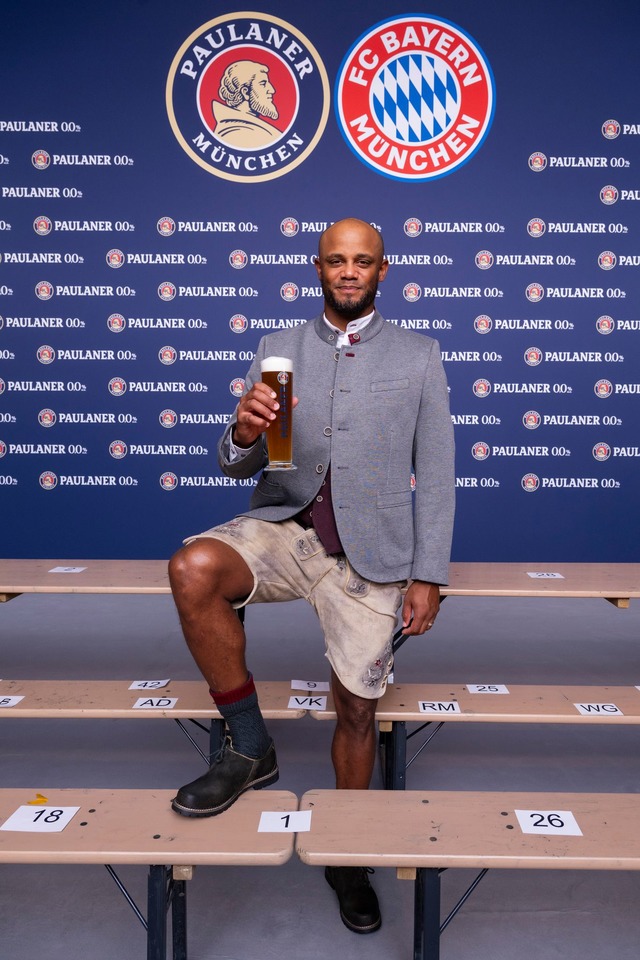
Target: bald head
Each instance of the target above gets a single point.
(350, 264)
(355, 230)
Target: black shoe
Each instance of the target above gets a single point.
(230, 775)
(359, 908)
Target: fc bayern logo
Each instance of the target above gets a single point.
(415, 98)
(168, 418)
(531, 420)
(533, 356)
(289, 292)
(603, 389)
(247, 97)
(118, 449)
(45, 353)
(482, 388)
(483, 324)
(168, 481)
(605, 325)
(611, 129)
(480, 451)
(238, 323)
(167, 355)
(536, 227)
(530, 482)
(413, 227)
(484, 260)
(237, 387)
(609, 194)
(238, 259)
(537, 162)
(167, 291)
(289, 227)
(607, 260)
(47, 417)
(166, 227)
(44, 290)
(534, 292)
(48, 480)
(40, 159)
(116, 322)
(412, 292)
(601, 451)
(42, 226)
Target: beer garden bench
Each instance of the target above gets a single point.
(422, 834)
(115, 827)
(615, 582)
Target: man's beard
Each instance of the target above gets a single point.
(349, 309)
(264, 107)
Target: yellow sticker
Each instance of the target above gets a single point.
(39, 800)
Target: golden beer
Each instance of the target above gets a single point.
(277, 373)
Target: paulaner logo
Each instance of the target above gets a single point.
(415, 98)
(247, 97)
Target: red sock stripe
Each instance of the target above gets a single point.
(223, 699)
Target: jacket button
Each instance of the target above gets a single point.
(319, 468)
(319, 499)
(327, 431)
(336, 356)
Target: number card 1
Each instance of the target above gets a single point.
(29, 819)
(551, 823)
(275, 822)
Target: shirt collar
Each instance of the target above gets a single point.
(354, 326)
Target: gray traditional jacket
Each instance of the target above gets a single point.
(378, 411)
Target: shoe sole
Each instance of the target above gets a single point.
(371, 928)
(214, 811)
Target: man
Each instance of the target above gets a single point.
(247, 95)
(343, 530)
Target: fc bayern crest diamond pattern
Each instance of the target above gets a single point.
(415, 98)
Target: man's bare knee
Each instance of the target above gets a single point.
(353, 712)
(206, 568)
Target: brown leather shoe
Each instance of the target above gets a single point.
(359, 908)
(230, 775)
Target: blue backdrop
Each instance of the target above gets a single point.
(144, 251)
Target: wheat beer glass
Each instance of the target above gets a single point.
(277, 373)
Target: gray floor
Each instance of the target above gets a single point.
(288, 913)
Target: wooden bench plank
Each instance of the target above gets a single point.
(613, 581)
(112, 699)
(99, 576)
(418, 828)
(606, 580)
(525, 703)
(139, 826)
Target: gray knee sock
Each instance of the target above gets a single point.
(241, 712)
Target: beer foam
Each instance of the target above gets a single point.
(276, 364)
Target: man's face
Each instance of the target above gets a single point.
(260, 95)
(350, 264)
